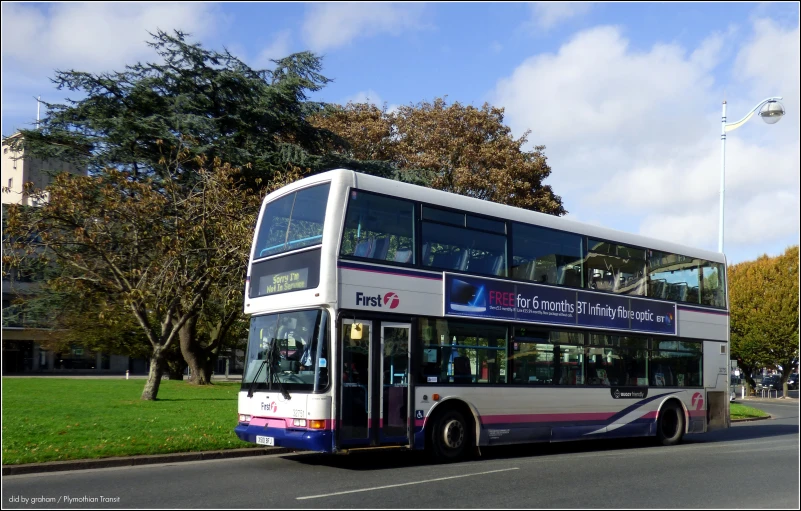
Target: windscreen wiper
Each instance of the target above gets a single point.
(256, 378)
(281, 387)
(273, 356)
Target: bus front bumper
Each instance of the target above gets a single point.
(303, 439)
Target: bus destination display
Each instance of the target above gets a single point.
(292, 280)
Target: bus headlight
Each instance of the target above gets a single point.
(299, 422)
(244, 417)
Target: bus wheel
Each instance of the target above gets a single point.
(670, 426)
(450, 436)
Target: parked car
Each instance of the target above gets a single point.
(792, 382)
(772, 381)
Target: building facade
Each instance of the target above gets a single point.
(23, 334)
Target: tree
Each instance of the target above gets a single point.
(763, 296)
(456, 148)
(253, 119)
(157, 248)
(209, 104)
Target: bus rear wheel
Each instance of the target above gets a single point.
(671, 423)
(450, 436)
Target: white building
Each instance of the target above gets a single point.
(19, 168)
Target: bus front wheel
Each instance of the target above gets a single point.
(670, 426)
(450, 436)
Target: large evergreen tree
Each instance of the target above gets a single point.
(254, 119)
(206, 105)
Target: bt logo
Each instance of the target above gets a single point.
(390, 300)
(698, 401)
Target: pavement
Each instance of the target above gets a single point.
(128, 461)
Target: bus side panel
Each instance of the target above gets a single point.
(698, 323)
(518, 415)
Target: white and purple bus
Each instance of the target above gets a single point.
(388, 314)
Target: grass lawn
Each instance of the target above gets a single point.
(738, 411)
(54, 419)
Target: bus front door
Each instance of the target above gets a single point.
(356, 383)
(394, 398)
(374, 383)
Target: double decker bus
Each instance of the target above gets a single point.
(388, 314)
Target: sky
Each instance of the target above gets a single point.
(625, 97)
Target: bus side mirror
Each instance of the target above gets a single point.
(356, 331)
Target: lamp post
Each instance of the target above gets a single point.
(772, 111)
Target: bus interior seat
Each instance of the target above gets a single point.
(461, 370)
(363, 248)
(572, 278)
(545, 276)
(380, 248)
(403, 255)
(490, 265)
(289, 365)
(456, 260)
(497, 266)
(426, 253)
(462, 260)
(524, 270)
(298, 351)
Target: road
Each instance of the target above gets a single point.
(751, 465)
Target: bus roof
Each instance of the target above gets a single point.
(470, 204)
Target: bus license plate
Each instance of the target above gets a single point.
(265, 440)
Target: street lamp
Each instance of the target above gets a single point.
(771, 114)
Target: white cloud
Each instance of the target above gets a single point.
(279, 48)
(547, 14)
(38, 38)
(633, 136)
(331, 25)
(93, 36)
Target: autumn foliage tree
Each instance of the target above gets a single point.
(456, 148)
(158, 249)
(127, 120)
(763, 297)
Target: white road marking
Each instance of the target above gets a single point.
(405, 484)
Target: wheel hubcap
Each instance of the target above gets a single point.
(453, 434)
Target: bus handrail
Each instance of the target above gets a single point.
(290, 243)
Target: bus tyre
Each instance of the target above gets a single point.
(450, 436)
(671, 423)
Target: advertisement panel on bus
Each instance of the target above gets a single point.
(532, 303)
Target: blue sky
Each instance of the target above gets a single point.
(626, 97)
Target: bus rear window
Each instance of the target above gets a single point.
(294, 221)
